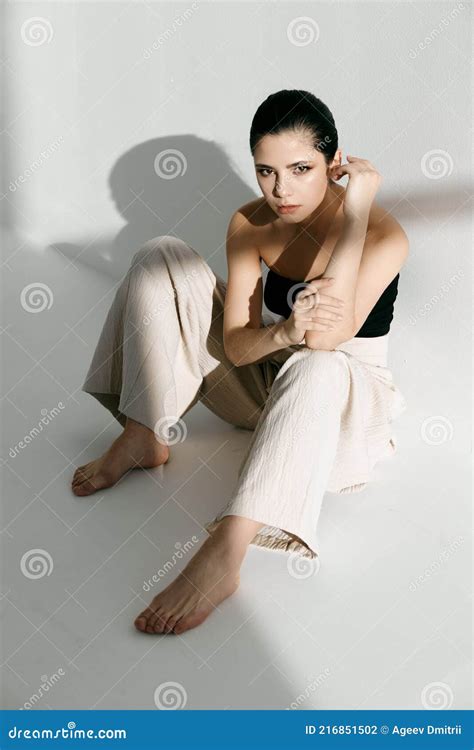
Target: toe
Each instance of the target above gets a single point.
(88, 486)
(160, 622)
(140, 623)
(171, 622)
(188, 622)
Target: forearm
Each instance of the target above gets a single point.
(343, 266)
(254, 345)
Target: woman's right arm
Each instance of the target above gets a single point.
(246, 341)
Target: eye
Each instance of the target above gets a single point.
(264, 169)
(302, 166)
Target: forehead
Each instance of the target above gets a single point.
(285, 148)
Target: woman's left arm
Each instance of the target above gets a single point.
(364, 181)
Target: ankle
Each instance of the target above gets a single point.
(234, 533)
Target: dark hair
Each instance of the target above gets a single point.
(296, 109)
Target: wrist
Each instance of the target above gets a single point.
(357, 220)
(279, 334)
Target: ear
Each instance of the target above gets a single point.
(336, 162)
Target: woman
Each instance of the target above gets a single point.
(312, 384)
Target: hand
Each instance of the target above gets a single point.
(313, 310)
(364, 181)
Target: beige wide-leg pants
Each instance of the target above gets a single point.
(320, 419)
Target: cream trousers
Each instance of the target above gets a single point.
(320, 420)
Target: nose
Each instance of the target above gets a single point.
(281, 190)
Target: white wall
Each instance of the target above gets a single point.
(112, 85)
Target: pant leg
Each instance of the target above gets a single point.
(161, 347)
(283, 476)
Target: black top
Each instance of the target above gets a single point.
(378, 322)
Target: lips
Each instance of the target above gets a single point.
(286, 209)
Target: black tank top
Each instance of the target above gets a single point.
(377, 323)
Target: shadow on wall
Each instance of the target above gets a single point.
(188, 187)
(180, 185)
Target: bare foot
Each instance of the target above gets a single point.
(210, 577)
(136, 447)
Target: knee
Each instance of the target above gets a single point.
(159, 247)
(170, 256)
(308, 368)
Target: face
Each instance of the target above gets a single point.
(291, 171)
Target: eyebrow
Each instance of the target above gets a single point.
(295, 163)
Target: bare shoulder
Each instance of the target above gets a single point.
(382, 224)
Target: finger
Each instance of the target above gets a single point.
(331, 308)
(319, 327)
(313, 286)
(333, 301)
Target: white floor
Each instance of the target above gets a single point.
(379, 622)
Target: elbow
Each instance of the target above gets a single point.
(329, 340)
(231, 356)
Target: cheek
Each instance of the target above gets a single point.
(314, 188)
